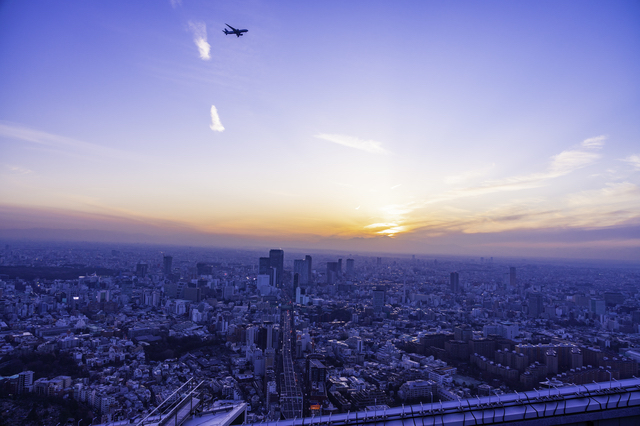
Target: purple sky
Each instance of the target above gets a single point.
(480, 128)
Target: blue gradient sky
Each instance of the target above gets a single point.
(421, 127)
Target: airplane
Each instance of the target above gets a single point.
(238, 33)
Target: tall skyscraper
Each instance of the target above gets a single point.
(142, 269)
(264, 266)
(349, 270)
(454, 282)
(332, 272)
(379, 294)
(307, 261)
(167, 262)
(512, 277)
(536, 304)
(264, 269)
(296, 282)
(276, 257)
(302, 267)
(269, 326)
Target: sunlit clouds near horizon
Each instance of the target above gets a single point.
(465, 128)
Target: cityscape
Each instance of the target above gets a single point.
(296, 335)
(336, 213)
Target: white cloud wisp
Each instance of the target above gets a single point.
(371, 146)
(199, 30)
(634, 161)
(57, 142)
(216, 125)
(561, 164)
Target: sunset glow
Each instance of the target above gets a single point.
(414, 127)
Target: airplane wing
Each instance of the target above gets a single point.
(231, 27)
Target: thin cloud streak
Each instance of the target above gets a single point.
(18, 170)
(216, 125)
(523, 217)
(199, 31)
(58, 142)
(469, 175)
(633, 160)
(371, 146)
(622, 192)
(595, 142)
(561, 164)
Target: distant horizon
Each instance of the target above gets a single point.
(67, 236)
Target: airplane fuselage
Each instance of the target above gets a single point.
(235, 31)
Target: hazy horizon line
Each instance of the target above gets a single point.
(254, 246)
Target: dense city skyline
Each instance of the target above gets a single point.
(106, 334)
(487, 129)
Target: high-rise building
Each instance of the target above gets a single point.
(307, 261)
(349, 270)
(536, 304)
(193, 294)
(379, 294)
(142, 269)
(598, 306)
(167, 262)
(258, 362)
(332, 272)
(171, 290)
(301, 297)
(269, 326)
(512, 277)
(263, 283)
(264, 266)
(302, 267)
(462, 332)
(25, 381)
(299, 269)
(296, 282)
(276, 257)
(317, 372)
(454, 282)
